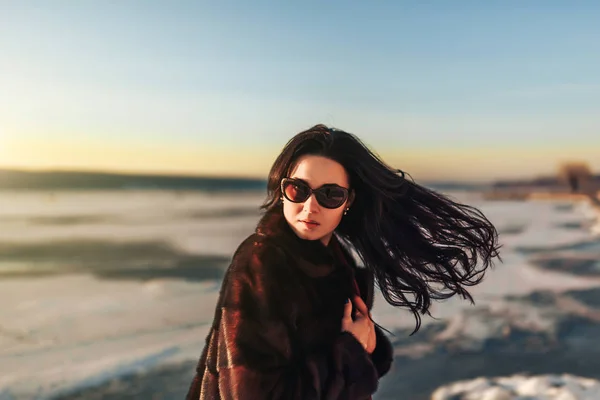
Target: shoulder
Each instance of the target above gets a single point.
(257, 254)
(258, 271)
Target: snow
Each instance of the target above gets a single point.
(72, 330)
(520, 387)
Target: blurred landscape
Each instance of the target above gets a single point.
(112, 282)
(135, 140)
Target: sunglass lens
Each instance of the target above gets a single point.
(331, 197)
(296, 191)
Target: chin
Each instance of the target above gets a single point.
(308, 235)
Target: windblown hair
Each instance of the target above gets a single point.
(419, 244)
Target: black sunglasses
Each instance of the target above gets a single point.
(328, 196)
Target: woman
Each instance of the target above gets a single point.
(293, 316)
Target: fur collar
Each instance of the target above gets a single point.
(314, 258)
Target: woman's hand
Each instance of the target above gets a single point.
(361, 327)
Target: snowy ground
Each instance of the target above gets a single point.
(99, 287)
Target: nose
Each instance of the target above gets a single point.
(310, 205)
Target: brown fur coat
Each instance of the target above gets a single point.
(276, 330)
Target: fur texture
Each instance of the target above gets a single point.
(276, 330)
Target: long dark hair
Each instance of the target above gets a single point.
(419, 244)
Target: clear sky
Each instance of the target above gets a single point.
(444, 89)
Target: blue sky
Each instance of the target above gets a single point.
(467, 89)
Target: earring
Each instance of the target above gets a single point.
(346, 211)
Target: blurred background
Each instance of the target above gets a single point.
(136, 137)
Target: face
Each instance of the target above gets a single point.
(310, 220)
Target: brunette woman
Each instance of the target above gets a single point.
(293, 316)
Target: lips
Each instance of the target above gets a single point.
(309, 222)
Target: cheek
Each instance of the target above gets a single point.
(290, 210)
(334, 217)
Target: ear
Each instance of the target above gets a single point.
(350, 198)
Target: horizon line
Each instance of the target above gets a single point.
(193, 175)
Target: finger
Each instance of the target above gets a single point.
(372, 343)
(360, 305)
(348, 310)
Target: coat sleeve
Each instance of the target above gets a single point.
(250, 351)
(383, 355)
